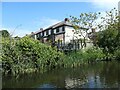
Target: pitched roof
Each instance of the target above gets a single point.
(56, 25)
(60, 24)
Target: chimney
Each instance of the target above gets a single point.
(66, 19)
(32, 32)
(41, 29)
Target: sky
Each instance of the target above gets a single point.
(21, 18)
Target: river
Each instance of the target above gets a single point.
(98, 75)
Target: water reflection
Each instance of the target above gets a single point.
(100, 75)
(47, 86)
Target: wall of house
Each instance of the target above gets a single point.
(88, 44)
(68, 34)
(59, 37)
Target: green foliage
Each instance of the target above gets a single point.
(86, 22)
(93, 54)
(107, 40)
(28, 55)
(117, 54)
(109, 36)
(5, 33)
(83, 56)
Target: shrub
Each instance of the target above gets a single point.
(28, 55)
(117, 54)
(93, 54)
(83, 56)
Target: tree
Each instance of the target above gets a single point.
(84, 24)
(108, 37)
(5, 33)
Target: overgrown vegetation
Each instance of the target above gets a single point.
(108, 36)
(28, 55)
(85, 56)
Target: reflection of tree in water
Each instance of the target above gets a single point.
(110, 74)
(75, 78)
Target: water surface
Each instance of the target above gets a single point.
(98, 75)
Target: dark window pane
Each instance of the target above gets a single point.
(57, 30)
(63, 29)
(47, 32)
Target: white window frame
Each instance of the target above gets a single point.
(54, 31)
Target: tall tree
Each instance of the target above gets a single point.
(84, 24)
(5, 33)
(109, 36)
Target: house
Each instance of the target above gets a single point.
(62, 32)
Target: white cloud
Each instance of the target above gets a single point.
(105, 4)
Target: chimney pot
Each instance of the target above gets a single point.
(41, 29)
(32, 32)
(66, 19)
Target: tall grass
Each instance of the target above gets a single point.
(83, 56)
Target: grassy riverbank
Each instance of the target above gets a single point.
(83, 56)
(27, 55)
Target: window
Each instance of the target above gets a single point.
(49, 32)
(37, 35)
(63, 28)
(57, 30)
(60, 29)
(41, 34)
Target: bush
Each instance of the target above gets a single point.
(83, 56)
(93, 54)
(28, 55)
(117, 54)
